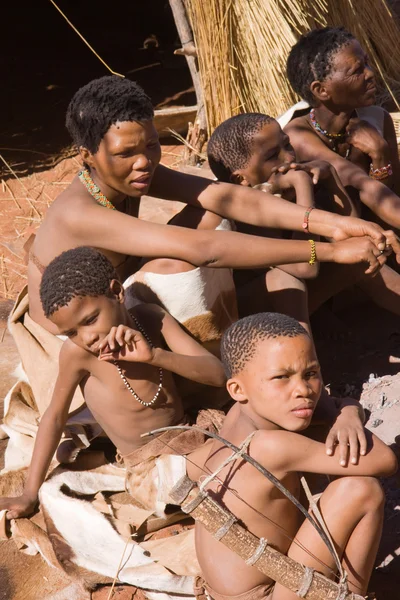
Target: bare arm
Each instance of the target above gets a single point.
(374, 194)
(287, 451)
(129, 235)
(49, 434)
(246, 205)
(185, 356)
(290, 178)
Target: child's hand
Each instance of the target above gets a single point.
(316, 169)
(293, 178)
(356, 250)
(125, 343)
(348, 434)
(20, 506)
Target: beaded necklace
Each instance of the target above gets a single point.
(335, 138)
(94, 189)
(126, 382)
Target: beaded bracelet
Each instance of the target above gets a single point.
(381, 173)
(313, 257)
(307, 218)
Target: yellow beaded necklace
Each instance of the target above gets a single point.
(94, 189)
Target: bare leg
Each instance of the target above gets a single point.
(352, 508)
(277, 291)
(331, 280)
(383, 289)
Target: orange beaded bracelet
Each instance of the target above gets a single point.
(306, 218)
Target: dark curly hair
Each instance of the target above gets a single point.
(310, 59)
(239, 342)
(101, 103)
(231, 145)
(79, 272)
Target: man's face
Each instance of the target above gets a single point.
(86, 320)
(127, 157)
(282, 383)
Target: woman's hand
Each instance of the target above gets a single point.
(355, 250)
(19, 506)
(353, 227)
(125, 343)
(366, 138)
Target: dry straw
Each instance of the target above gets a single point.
(243, 46)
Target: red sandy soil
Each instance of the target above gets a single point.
(352, 342)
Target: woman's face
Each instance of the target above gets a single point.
(127, 157)
(351, 82)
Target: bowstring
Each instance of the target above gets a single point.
(234, 493)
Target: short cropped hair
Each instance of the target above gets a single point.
(239, 342)
(310, 59)
(101, 103)
(231, 145)
(79, 272)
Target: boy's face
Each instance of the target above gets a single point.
(127, 157)
(86, 320)
(280, 386)
(271, 148)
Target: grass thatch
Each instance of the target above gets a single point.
(243, 47)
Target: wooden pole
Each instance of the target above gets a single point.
(197, 133)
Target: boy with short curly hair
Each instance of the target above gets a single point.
(123, 361)
(274, 377)
(251, 150)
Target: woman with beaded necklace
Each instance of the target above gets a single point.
(111, 122)
(339, 123)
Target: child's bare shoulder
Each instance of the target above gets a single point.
(74, 357)
(272, 449)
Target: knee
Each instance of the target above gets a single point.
(365, 492)
(306, 271)
(277, 280)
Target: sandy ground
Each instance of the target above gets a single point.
(352, 343)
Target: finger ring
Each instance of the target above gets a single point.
(381, 252)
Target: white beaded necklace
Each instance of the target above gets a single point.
(126, 382)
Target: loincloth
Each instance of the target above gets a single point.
(154, 469)
(203, 591)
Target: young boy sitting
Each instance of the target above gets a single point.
(124, 362)
(274, 376)
(252, 150)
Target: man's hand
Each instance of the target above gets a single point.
(125, 343)
(19, 506)
(347, 432)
